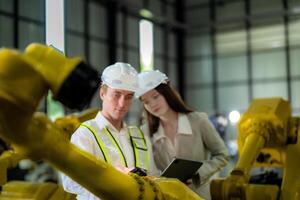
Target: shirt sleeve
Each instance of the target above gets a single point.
(215, 145)
(82, 140)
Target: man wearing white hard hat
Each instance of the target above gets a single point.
(107, 136)
(178, 131)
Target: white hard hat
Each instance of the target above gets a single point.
(149, 80)
(120, 76)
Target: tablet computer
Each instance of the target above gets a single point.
(181, 169)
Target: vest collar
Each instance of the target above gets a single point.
(103, 122)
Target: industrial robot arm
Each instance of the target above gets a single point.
(24, 80)
(267, 133)
(8, 160)
(68, 124)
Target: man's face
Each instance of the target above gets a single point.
(115, 102)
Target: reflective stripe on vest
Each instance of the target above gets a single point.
(109, 147)
(112, 152)
(139, 146)
(99, 142)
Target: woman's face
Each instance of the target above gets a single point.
(155, 103)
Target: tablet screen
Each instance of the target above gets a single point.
(181, 169)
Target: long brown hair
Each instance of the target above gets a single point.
(174, 101)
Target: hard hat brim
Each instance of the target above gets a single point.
(120, 87)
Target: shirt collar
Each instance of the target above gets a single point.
(184, 125)
(103, 122)
(184, 128)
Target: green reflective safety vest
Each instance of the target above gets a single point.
(112, 153)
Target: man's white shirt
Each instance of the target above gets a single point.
(84, 139)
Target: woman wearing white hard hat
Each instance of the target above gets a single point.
(178, 131)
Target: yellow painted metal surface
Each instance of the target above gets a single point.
(70, 123)
(19, 190)
(8, 160)
(268, 131)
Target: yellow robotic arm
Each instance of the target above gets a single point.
(267, 137)
(24, 80)
(8, 159)
(68, 124)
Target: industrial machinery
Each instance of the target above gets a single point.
(9, 159)
(68, 124)
(268, 137)
(24, 79)
(26, 190)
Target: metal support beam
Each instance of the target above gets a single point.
(86, 23)
(212, 6)
(124, 34)
(164, 12)
(287, 50)
(249, 50)
(180, 48)
(16, 24)
(112, 31)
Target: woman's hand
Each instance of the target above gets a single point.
(194, 180)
